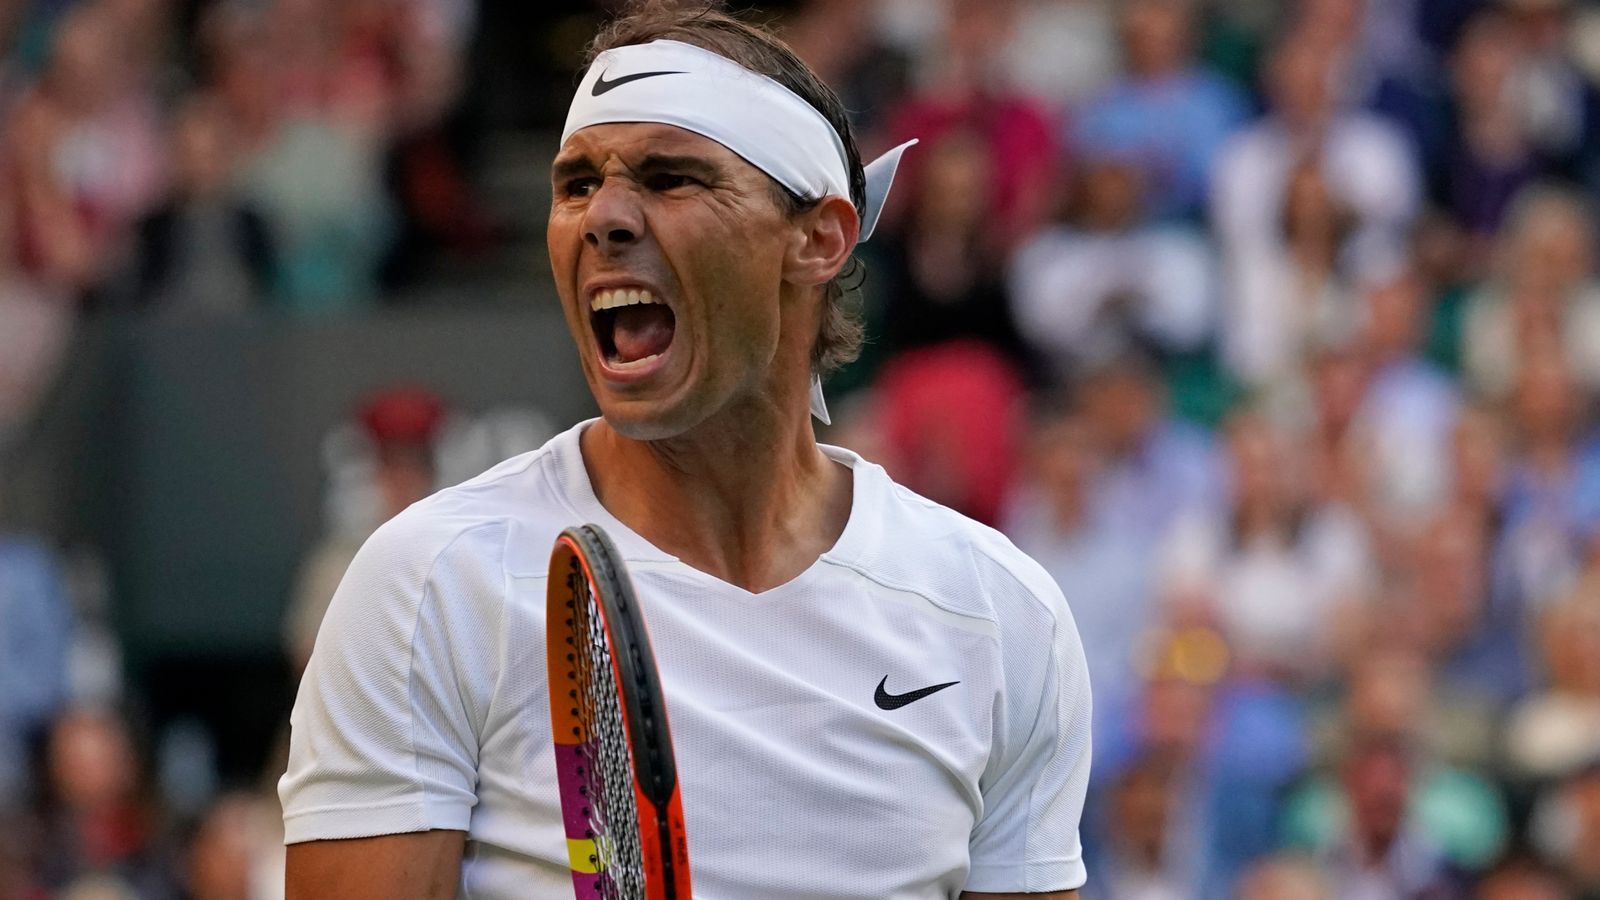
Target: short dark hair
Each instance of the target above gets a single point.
(705, 26)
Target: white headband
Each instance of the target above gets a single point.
(765, 123)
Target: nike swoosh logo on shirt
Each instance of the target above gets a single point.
(886, 700)
(601, 85)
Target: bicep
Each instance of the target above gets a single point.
(1050, 895)
(425, 865)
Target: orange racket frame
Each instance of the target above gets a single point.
(584, 564)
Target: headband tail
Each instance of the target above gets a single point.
(880, 175)
(819, 405)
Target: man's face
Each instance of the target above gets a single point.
(653, 213)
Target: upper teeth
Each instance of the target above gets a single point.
(611, 299)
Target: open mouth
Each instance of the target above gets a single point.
(632, 325)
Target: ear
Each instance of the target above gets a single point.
(822, 242)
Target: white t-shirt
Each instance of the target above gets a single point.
(425, 702)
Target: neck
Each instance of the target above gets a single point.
(748, 498)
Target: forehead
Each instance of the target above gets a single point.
(635, 141)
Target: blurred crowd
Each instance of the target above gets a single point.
(217, 158)
(1271, 329)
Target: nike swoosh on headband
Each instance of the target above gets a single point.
(601, 85)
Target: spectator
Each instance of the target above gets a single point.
(1389, 688)
(951, 420)
(205, 251)
(1106, 281)
(1234, 746)
(1479, 465)
(99, 820)
(1148, 854)
(1561, 108)
(239, 74)
(1566, 828)
(1543, 297)
(1339, 377)
(1538, 556)
(1443, 602)
(422, 46)
(1408, 412)
(1384, 65)
(1054, 518)
(1273, 570)
(841, 41)
(966, 90)
(1293, 295)
(1557, 728)
(35, 325)
(35, 633)
(1375, 841)
(85, 150)
(318, 173)
(941, 280)
(1156, 467)
(1490, 156)
(1168, 116)
(1365, 162)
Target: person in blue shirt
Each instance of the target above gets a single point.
(1168, 114)
(35, 629)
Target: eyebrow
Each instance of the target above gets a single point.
(693, 165)
(575, 166)
(570, 167)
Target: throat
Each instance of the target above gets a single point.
(755, 533)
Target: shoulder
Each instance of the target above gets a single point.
(961, 565)
(500, 521)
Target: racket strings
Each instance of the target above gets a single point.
(608, 777)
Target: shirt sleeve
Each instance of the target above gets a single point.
(1033, 790)
(386, 727)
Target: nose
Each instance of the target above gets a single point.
(613, 220)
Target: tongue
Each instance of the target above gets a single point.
(641, 331)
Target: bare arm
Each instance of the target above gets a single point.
(1053, 895)
(421, 866)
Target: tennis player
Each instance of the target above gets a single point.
(871, 696)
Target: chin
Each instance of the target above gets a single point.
(648, 420)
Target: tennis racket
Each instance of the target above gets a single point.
(619, 785)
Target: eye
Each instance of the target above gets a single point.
(581, 186)
(666, 181)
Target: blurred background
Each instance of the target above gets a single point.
(1272, 329)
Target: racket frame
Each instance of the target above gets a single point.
(658, 804)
